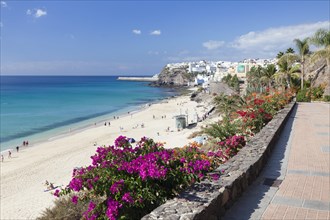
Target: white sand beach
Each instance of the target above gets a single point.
(23, 176)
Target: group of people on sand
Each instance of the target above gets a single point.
(25, 144)
(3, 158)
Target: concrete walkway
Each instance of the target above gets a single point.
(295, 184)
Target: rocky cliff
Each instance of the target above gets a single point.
(319, 73)
(178, 76)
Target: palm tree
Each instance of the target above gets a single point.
(303, 49)
(279, 55)
(254, 76)
(268, 74)
(289, 50)
(322, 39)
(287, 68)
(226, 104)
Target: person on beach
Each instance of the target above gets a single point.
(2, 158)
(24, 143)
(109, 124)
(9, 154)
(49, 185)
(17, 148)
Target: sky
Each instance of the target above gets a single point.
(141, 37)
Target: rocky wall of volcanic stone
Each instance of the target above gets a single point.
(209, 199)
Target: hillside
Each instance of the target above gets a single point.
(319, 72)
(178, 76)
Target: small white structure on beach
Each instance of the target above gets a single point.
(180, 121)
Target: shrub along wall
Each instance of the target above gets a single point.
(209, 199)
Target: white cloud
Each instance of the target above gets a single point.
(255, 44)
(156, 32)
(37, 13)
(212, 44)
(3, 4)
(136, 31)
(40, 13)
(276, 38)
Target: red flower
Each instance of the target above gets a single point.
(258, 101)
(261, 110)
(241, 113)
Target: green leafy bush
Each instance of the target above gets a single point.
(317, 93)
(303, 95)
(326, 98)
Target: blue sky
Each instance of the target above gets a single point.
(140, 37)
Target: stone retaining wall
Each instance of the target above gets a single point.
(209, 199)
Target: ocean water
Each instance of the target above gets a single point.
(35, 108)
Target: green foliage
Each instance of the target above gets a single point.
(223, 129)
(251, 116)
(227, 78)
(287, 69)
(227, 104)
(317, 93)
(303, 95)
(321, 38)
(279, 55)
(260, 78)
(289, 50)
(326, 98)
(302, 46)
(232, 81)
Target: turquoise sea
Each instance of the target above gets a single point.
(36, 108)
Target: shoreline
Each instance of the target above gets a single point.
(23, 176)
(78, 126)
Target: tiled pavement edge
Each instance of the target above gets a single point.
(295, 184)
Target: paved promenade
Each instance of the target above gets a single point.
(295, 184)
